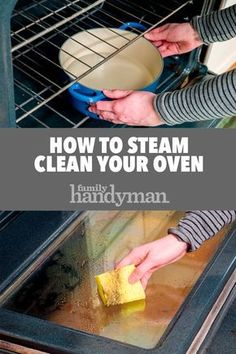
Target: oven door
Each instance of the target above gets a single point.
(49, 300)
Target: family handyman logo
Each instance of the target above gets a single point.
(107, 194)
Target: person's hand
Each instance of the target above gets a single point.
(152, 256)
(174, 38)
(128, 107)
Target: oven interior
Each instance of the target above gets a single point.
(39, 28)
(60, 287)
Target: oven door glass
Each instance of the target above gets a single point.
(63, 290)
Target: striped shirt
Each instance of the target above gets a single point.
(198, 226)
(213, 98)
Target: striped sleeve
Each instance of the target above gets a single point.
(217, 26)
(198, 226)
(213, 98)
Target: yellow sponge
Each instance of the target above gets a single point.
(114, 287)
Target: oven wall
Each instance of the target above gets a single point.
(221, 56)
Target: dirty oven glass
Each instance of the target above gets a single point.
(63, 289)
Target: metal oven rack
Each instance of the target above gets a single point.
(39, 28)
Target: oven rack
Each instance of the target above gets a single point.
(39, 30)
(52, 13)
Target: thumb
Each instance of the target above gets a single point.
(145, 279)
(158, 34)
(140, 271)
(115, 94)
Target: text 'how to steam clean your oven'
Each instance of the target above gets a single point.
(112, 154)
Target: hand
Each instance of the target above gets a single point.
(174, 38)
(152, 256)
(129, 107)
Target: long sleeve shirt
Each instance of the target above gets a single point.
(198, 226)
(214, 98)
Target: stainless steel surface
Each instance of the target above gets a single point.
(63, 289)
(15, 348)
(41, 26)
(198, 340)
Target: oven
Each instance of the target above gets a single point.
(48, 296)
(32, 33)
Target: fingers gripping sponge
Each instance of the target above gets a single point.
(114, 287)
